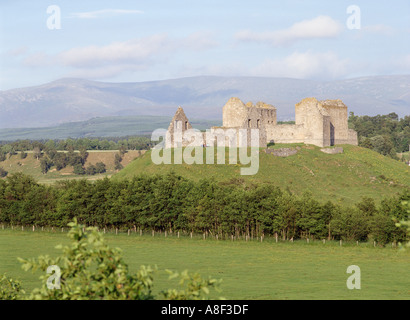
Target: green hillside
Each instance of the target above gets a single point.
(344, 178)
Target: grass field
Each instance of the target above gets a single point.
(249, 270)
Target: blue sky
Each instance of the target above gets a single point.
(131, 41)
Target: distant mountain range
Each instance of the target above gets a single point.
(69, 100)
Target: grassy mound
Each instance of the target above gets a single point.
(345, 177)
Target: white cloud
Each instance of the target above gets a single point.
(127, 52)
(315, 65)
(317, 28)
(117, 58)
(103, 13)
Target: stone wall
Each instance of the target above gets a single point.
(285, 133)
(282, 152)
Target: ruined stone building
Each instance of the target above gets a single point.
(320, 123)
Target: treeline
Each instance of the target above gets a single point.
(385, 134)
(114, 143)
(171, 203)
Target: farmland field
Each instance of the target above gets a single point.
(249, 270)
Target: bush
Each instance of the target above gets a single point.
(100, 167)
(90, 170)
(3, 173)
(79, 169)
(10, 289)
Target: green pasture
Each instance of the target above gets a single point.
(249, 269)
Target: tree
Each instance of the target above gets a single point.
(79, 169)
(100, 167)
(123, 150)
(83, 155)
(37, 152)
(406, 223)
(45, 165)
(60, 161)
(3, 173)
(51, 153)
(91, 270)
(90, 170)
(117, 162)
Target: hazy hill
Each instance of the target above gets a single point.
(343, 177)
(68, 100)
(119, 126)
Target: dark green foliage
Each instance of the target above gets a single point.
(79, 169)
(117, 162)
(114, 143)
(172, 203)
(83, 155)
(3, 173)
(60, 161)
(386, 134)
(90, 170)
(45, 165)
(100, 167)
(51, 153)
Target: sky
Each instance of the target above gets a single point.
(133, 41)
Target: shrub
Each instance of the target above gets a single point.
(10, 289)
(3, 173)
(90, 170)
(79, 169)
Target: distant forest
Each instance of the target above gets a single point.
(114, 143)
(385, 134)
